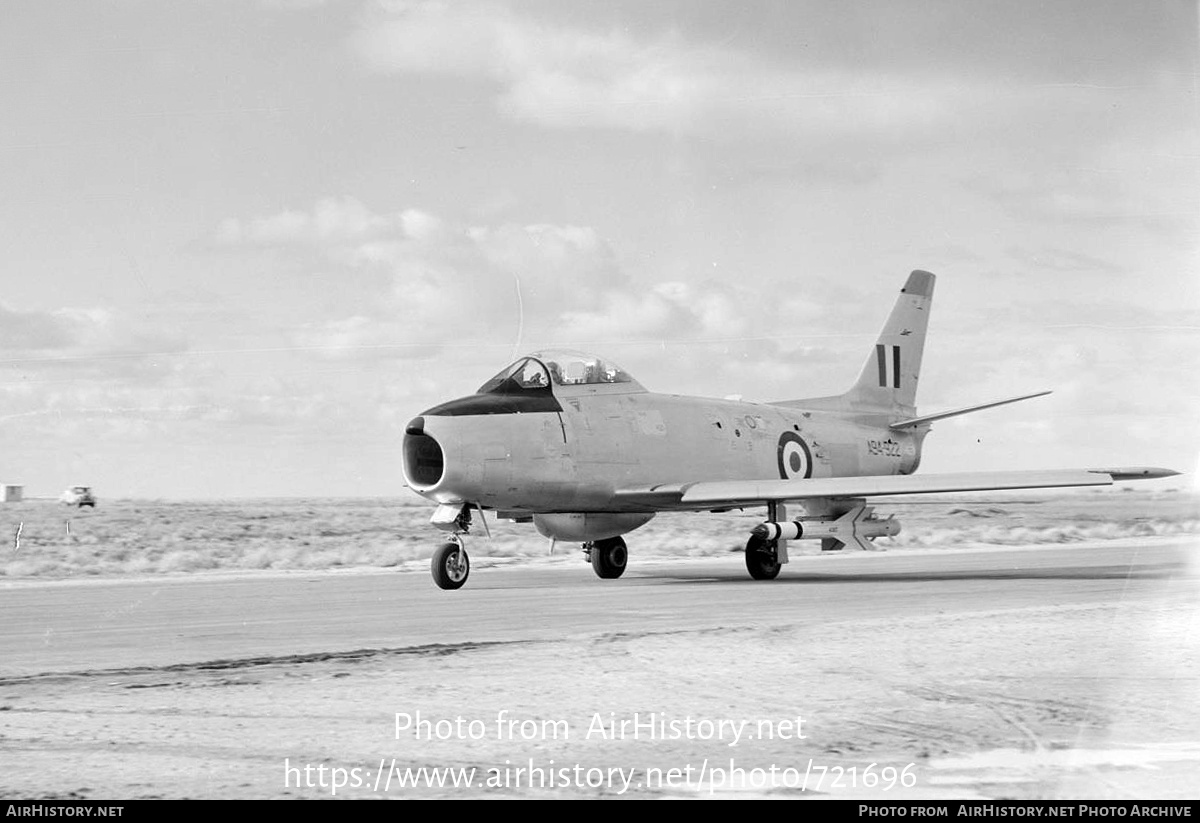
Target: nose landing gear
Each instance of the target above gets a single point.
(450, 565)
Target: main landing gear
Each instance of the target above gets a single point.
(838, 524)
(608, 557)
(762, 558)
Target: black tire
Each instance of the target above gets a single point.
(761, 560)
(450, 566)
(609, 558)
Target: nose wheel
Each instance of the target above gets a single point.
(450, 566)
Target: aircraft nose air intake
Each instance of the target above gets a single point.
(424, 462)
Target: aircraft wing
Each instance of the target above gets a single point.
(730, 493)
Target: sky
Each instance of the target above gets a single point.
(243, 243)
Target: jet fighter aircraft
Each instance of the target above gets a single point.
(574, 444)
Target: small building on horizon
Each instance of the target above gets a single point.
(13, 493)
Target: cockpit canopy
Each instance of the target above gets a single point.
(557, 367)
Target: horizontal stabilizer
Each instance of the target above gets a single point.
(929, 418)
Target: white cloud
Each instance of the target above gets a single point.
(34, 331)
(420, 281)
(417, 279)
(418, 225)
(672, 311)
(331, 220)
(566, 77)
(63, 337)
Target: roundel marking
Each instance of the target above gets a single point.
(795, 460)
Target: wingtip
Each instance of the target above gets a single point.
(1137, 473)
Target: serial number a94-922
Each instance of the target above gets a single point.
(883, 448)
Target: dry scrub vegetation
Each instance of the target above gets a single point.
(140, 537)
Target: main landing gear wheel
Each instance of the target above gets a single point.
(609, 557)
(450, 566)
(761, 560)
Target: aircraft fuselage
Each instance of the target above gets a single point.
(608, 437)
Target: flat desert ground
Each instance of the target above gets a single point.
(1003, 646)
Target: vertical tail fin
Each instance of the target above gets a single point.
(889, 377)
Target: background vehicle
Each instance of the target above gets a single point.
(79, 496)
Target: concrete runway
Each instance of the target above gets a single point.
(90, 625)
(949, 663)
